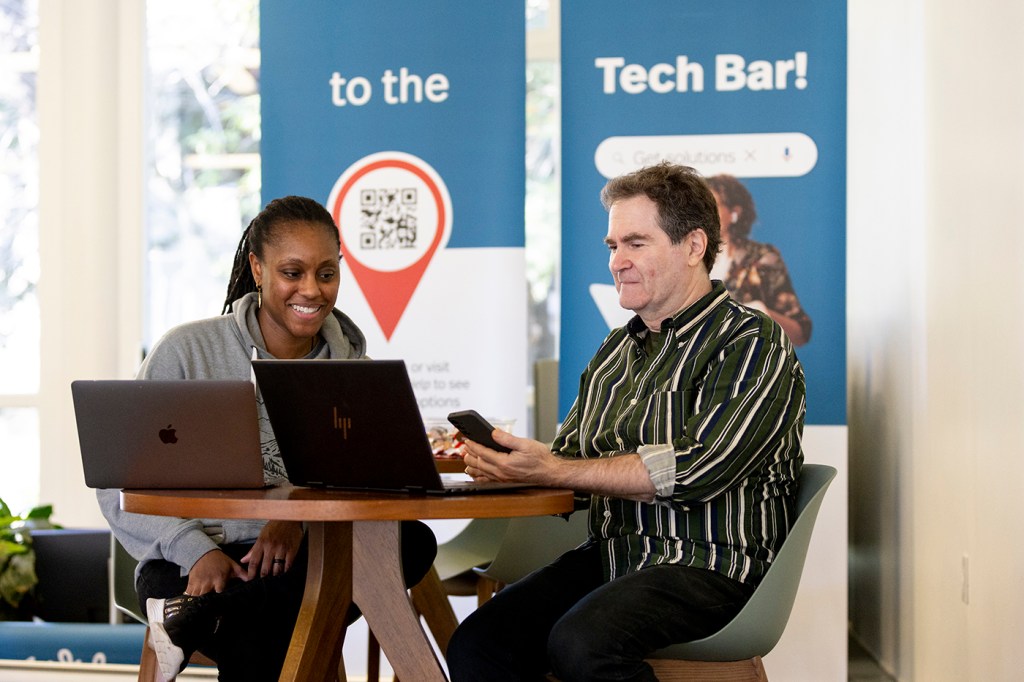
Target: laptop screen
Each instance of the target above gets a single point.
(351, 424)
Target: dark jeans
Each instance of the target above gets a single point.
(257, 617)
(565, 619)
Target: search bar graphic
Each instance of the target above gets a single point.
(746, 155)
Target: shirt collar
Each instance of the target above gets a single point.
(686, 319)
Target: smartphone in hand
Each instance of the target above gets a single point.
(476, 428)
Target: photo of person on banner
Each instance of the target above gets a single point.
(754, 272)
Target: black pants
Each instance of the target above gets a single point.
(565, 619)
(258, 616)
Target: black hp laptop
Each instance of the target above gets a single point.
(353, 424)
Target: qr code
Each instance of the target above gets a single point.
(388, 218)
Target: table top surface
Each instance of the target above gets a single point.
(295, 503)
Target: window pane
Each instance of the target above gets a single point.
(19, 198)
(203, 181)
(537, 12)
(543, 207)
(19, 457)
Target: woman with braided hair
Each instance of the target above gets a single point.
(232, 588)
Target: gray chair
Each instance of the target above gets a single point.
(474, 546)
(733, 654)
(483, 558)
(126, 600)
(545, 399)
(532, 542)
(451, 576)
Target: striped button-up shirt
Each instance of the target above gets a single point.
(714, 405)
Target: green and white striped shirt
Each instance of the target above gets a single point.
(714, 405)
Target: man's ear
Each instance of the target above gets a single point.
(696, 244)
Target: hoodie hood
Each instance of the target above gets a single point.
(342, 337)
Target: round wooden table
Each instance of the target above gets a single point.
(354, 556)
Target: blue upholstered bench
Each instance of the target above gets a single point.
(71, 642)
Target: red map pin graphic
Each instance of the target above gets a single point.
(393, 213)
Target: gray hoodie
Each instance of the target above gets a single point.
(215, 348)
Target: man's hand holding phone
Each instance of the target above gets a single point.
(526, 461)
(476, 428)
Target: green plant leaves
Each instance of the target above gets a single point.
(17, 559)
(18, 577)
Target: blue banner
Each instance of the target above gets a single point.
(406, 119)
(750, 94)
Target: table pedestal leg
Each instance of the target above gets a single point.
(379, 589)
(431, 600)
(315, 649)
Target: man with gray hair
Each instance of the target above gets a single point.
(684, 442)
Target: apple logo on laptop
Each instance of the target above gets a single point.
(167, 435)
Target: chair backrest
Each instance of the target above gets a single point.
(532, 542)
(545, 399)
(757, 628)
(126, 600)
(475, 545)
(122, 578)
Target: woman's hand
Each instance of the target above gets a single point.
(275, 549)
(212, 573)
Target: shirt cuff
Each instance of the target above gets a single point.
(660, 461)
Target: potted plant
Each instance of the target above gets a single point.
(17, 559)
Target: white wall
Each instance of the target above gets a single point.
(91, 184)
(885, 311)
(936, 373)
(968, 461)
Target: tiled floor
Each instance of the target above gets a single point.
(862, 667)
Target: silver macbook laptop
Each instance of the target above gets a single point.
(168, 434)
(353, 424)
